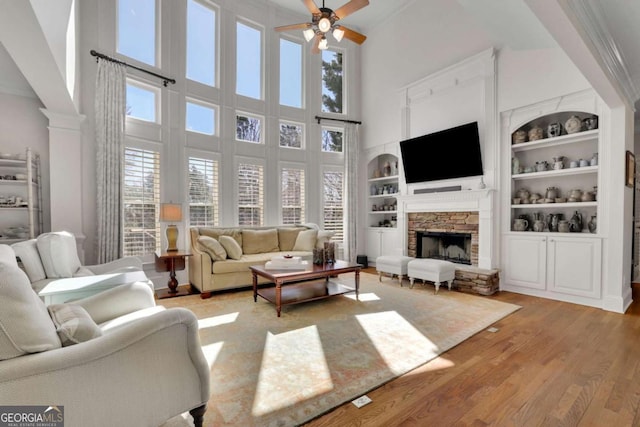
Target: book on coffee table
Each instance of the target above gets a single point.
(277, 265)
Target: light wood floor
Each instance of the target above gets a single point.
(549, 364)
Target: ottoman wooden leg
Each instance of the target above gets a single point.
(411, 280)
(437, 286)
(379, 276)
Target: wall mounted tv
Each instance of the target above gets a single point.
(447, 154)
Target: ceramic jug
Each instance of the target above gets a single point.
(573, 125)
(515, 166)
(593, 224)
(590, 123)
(520, 224)
(552, 221)
(588, 196)
(541, 166)
(552, 193)
(558, 162)
(584, 163)
(523, 193)
(575, 195)
(594, 160)
(535, 133)
(563, 226)
(554, 129)
(539, 225)
(575, 224)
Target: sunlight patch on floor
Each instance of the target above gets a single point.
(210, 322)
(435, 365)
(370, 296)
(398, 342)
(281, 372)
(211, 352)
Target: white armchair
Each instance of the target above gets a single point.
(53, 257)
(141, 364)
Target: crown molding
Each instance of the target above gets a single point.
(591, 16)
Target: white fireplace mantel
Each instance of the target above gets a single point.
(481, 201)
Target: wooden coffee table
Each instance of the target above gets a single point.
(303, 285)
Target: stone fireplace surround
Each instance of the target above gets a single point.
(468, 211)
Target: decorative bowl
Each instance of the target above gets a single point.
(561, 200)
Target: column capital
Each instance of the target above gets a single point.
(63, 120)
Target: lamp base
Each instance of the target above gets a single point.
(172, 238)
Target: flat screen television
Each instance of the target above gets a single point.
(447, 154)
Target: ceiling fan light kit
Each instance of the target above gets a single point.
(323, 20)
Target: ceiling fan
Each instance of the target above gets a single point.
(323, 20)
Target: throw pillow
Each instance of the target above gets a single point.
(260, 241)
(73, 324)
(324, 236)
(212, 247)
(287, 237)
(306, 240)
(28, 253)
(58, 253)
(25, 325)
(234, 251)
(8, 256)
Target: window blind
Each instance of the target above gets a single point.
(333, 203)
(292, 191)
(203, 192)
(141, 201)
(250, 194)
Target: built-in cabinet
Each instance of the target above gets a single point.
(552, 244)
(382, 205)
(20, 196)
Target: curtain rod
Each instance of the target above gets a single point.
(355, 122)
(165, 80)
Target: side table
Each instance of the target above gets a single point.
(171, 261)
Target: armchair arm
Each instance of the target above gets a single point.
(128, 263)
(118, 301)
(142, 374)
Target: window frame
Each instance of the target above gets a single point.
(342, 52)
(158, 100)
(255, 162)
(303, 195)
(330, 128)
(303, 144)
(216, 115)
(261, 29)
(157, 36)
(338, 236)
(250, 115)
(215, 159)
(302, 72)
(216, 9)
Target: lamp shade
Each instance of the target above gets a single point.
(170, 212)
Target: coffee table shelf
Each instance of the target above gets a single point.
(306, 291)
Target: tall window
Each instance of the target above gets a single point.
(142, 101)
(201, 43)
(141, 201)
(332, 182)
(250, 194)
(203, 192)
(248, 128)
(248, 61)
(137, 30)
(200, 118)
(332, 139)
(290, 73)
(332, 85)
(291, 134)
(292, 191)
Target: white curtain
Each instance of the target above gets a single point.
(351, 147)
(110, 107)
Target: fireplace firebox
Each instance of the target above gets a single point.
(454, 247)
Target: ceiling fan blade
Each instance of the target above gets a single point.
(301, 26)
(354, 36)
(312, 6)
(316, 43)
(349, 8)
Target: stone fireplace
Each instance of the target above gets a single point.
(452, 236)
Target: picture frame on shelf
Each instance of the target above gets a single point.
(630, 169)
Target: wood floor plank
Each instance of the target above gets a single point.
(550, 363)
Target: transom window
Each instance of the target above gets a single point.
(141, 202)
(203, 192)
(332, 139)
(248, 61)
(291, 134)
(248, 128)
(332, 83)
(292, 193)
(137, 30)
(250, 194)
(201, 117)
(201, 43)
(142, 101)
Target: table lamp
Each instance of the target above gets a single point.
(171, 212)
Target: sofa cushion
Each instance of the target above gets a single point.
(234, 250)
(260, 241)
(212, 247)
(236, 233)
(73, 323)
(25, 325)
(287, 237)
(306, 240)
(28, 253)
(58, 253)
(242, 265)
(8, 256)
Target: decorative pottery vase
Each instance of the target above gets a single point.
(593, 224)
(553, 220)
(584, 163)
(575, 224)
(519, 136)
(515, 166)
(573, 125)
(541, 166)
(520, 224)
(594, 160)
(563, 226)
(539, 225)
(552, 193)
(535, 133)
(590, 123)
(554, 129)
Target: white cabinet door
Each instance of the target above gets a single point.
(383, 241)
(525, 261)
(373, 244)
(574, 266)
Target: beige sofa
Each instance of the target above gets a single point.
(214, 270)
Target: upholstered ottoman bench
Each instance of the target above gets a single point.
(393, 265)
(433, 270)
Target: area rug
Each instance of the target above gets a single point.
(270, 371)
